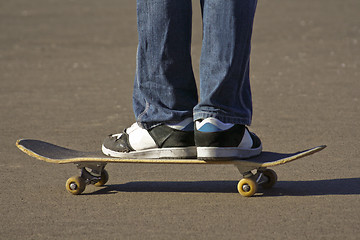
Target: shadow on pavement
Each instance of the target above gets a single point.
(344, 186)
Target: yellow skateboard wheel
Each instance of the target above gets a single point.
(103, 179)
(272, 178)
(75, 185)
(247, 187)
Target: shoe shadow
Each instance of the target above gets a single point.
(344, 186)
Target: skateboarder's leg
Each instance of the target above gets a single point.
(164, 89)
(225, 95)
(224, 64)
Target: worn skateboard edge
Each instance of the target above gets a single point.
(97, 157)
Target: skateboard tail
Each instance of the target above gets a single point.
(29, 152)
(298, 155)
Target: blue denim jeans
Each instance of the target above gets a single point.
(165, 90)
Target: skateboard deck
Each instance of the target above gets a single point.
(92, 164)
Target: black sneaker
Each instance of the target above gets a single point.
(216, 140)
(159, 142)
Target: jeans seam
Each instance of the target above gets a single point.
(147, 106)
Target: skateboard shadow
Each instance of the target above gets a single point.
(344, 186)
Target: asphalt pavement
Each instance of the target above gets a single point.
(66, 76)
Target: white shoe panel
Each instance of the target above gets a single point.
(216, 122)
(246, 142)
(140, 138)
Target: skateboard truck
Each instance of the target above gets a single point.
(248, 186)
(90, 173)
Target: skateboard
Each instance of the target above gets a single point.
(254, 170)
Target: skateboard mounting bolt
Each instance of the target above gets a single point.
(73, 186)
(246, 188)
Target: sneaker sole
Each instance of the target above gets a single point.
(172, 153)
(226, 153)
